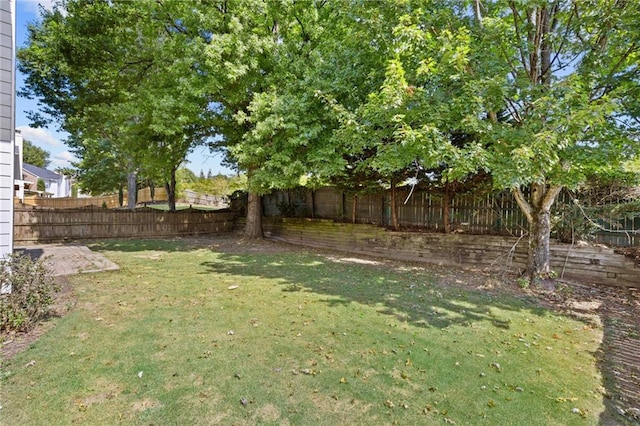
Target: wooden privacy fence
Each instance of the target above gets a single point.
(108, 201)
(590, 264)
(46, 225)
(495, 213)
(192, 197)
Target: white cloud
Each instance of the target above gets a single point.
(62, 159)
(38, 136)
(33, 6)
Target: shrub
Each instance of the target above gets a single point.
(32, 288)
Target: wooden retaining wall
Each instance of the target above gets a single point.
(47, 225)
(599, 265)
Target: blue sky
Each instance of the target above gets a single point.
(50, 139)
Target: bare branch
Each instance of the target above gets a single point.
(516, 16)
(513, 110)
(478, 12)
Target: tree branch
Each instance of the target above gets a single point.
(478, 12)
(516, 15)
(522, 203)
(550, 196)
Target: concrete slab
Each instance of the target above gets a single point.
(68, 259)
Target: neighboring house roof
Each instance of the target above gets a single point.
(40, 173)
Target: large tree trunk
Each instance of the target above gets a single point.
(538, 213)
(538, 264)
(171, 191)
(132, 190)
(253, 228)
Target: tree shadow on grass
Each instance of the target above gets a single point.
(424, 300)
(423, 297)
(414, 297)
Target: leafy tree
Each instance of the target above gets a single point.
(287, 127)
(242, 53)
(537, 94)
(66, 171)
(101, 169)
(35, 155)
(144, 99)
(186, 176)
(543, 89)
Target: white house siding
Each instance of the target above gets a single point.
(7, 123)
(55, 185)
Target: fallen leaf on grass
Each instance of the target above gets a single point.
(563, 399)
(389, 403)
(579, 411)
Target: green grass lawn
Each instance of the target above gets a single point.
(234, 333)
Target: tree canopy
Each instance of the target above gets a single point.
(537, 95)
(119, 75)
(35, 155)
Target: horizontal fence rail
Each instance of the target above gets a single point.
(48, 225)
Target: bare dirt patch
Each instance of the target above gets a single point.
(268, 413)
(145, 404)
